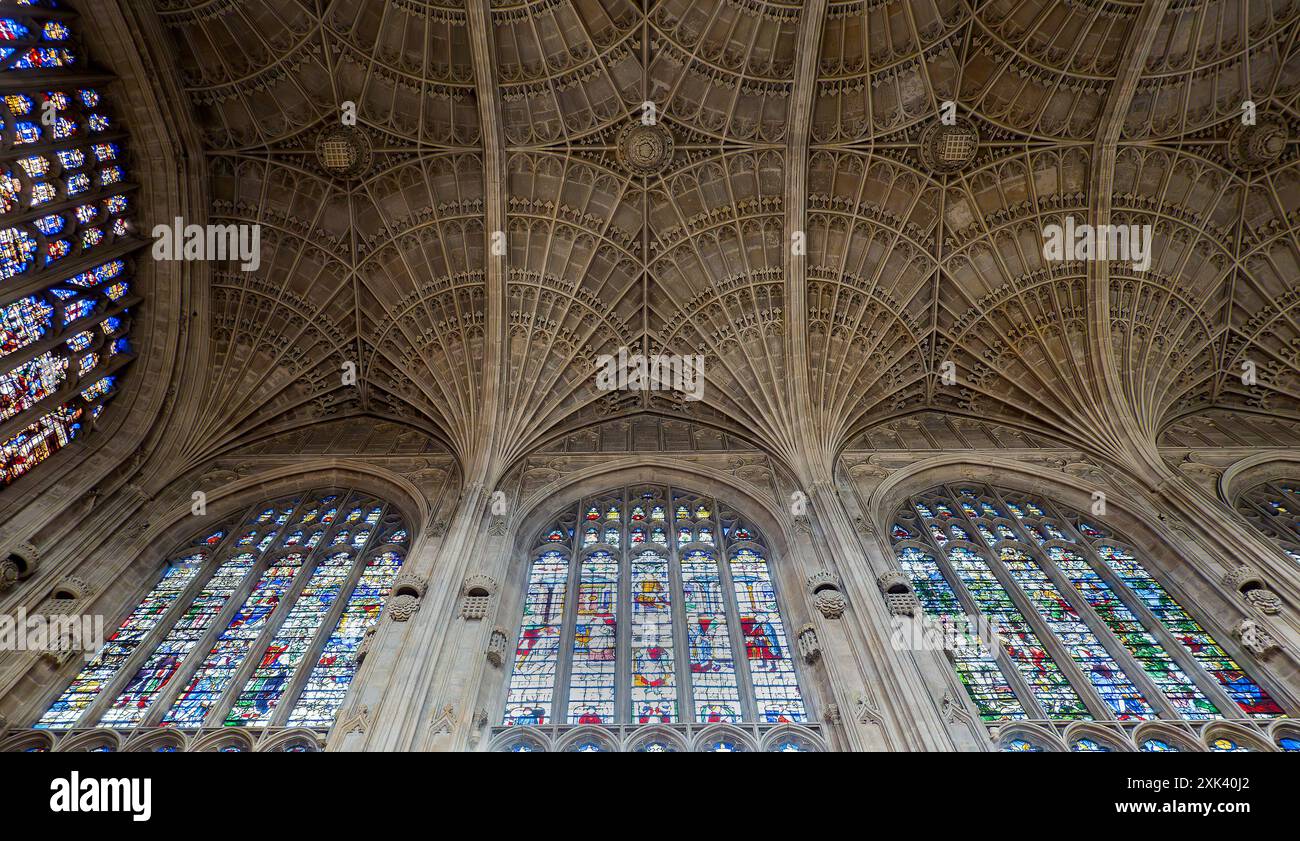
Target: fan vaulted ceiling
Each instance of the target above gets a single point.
(782, 117)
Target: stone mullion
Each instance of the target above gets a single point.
(1193, 669)
(114, 687)
(289, 697)
(312, 558)
(569, 630)
(1085, 611)
(1025, 693)
(1053, 644)
(622, 620)
(167, 695)
(44, 80)
(681, 637)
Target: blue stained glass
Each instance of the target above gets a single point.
(1248, 695)
(323, 693)
(1173, 683)
(286, 652)
(85, 688)
(23, 322)
(26, 133)
(1021, 746)
(1088, 746)
(532, 683)
(136, 698)
(234, 644)
(50, 225)
(12, 30)
(1049, 684)
(17, 249)
(38, 441)
(1092, 658)
(29, 383)
(1157, 746)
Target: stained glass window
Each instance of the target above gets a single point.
(52, 262)
(254, 623)
(1085, 631)
(704, 639)
(1274, 507)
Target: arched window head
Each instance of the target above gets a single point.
(651, 605)
(1049, 614)
(1274, 508)
(66, 201)
(254, 622)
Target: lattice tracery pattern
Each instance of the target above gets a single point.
(1076, 627)
(1275, 508)
(696, 586)
(276, 601)
(65, 228)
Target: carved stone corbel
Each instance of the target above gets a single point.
(21, 562)
(810, 648)
(1255, 638)
(825, 589)
(408, 589)
(1247, 581)
(900, 598)
(496, 650)
(476, 596)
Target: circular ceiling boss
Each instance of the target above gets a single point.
(343, 151)
(1259, 145)
(949, 148)
(645, 149)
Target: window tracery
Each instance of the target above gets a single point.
(66, 200)
(1274, 507)
(1080, 629)
(705, 639)
(253, 623)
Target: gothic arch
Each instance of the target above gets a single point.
(1018, 578)
(329, 558)
(616, 480)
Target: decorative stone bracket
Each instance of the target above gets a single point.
(408, 589)
(825, 588)
(1247, 581)
(1255, 638)
(809, 646)
(20, 562)
(900, 598)
(496, 650)
(476, 594)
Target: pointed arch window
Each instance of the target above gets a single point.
(1058, 617)
(1274, 507)
(651, 605)
(66, 201)
(256, 622)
